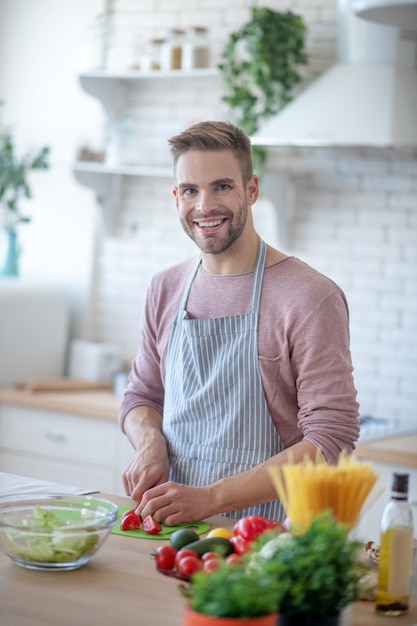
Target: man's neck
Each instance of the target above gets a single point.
(238, 259)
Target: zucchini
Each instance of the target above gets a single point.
(221, 545)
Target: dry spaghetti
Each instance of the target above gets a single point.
(307, 488)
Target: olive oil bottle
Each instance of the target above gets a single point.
(396, 551)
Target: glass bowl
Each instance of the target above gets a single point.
(54, 532)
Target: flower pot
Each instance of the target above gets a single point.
(193, 618)
(308, 620)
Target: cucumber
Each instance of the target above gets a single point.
(211, 544)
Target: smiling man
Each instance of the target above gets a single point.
(244, 359)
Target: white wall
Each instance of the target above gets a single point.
(44, 105)
(354, 211)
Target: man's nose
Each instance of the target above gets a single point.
(204, 200)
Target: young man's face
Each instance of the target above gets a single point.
(211, 199)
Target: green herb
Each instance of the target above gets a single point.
(233, 591)
(318, 570)
(52, 540)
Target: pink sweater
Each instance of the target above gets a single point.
(303, 347)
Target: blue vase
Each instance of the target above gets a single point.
(9, 253)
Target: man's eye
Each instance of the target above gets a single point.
(189, 191)
(223, 187)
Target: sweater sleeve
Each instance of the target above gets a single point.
(323, 372)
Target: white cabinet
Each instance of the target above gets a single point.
(62, 447)
(368, 527)
(112, 89)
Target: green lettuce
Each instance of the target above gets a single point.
(52, 541)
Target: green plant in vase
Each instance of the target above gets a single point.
(260, 67)
(14, 185)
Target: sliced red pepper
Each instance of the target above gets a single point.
(240, 545)
(132, 521)
(151, 525)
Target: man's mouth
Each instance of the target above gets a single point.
(209, 224)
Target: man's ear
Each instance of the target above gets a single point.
(253, 189)
(175, 194)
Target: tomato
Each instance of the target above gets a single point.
(165, 557)
(210, 565)
(184, 552)
(240, 545)
(220, 532)
(189, 565)
(151, 526)
(233, 559)
(211, 555)
(130, 522)
(126, 513)
(250, 527)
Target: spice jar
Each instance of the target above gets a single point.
(171, 50)
(195, 50)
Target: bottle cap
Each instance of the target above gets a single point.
(400, 484)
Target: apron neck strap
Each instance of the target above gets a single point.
(256, 283)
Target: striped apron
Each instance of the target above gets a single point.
(216, 419)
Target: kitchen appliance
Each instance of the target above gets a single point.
(34, 322)
(368, 98)
(93, 361)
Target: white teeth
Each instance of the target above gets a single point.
(209, 224)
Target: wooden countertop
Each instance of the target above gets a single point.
(398, 450)
(119, 585)
(100, 404)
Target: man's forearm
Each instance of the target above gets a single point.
(142, 423)
(255, 485)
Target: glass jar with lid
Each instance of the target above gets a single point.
(150, 58)
(171, 50)
(195, 50)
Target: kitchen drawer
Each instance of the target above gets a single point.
(60, 435)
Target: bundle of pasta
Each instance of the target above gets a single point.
(307, 488)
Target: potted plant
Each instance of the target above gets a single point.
(259, 65)
(230, 595)
(318, 570)
(14, 185)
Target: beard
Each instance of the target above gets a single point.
(216, 243)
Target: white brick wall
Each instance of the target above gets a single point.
(354, 216)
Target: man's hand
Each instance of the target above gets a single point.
(148, 468)
(173, 503)
(150, 465)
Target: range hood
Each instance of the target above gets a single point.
(369, 98)
(400, 13)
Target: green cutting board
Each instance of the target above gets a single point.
(198, 527)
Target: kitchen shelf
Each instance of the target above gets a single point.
(141, 75)
(101, 83)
